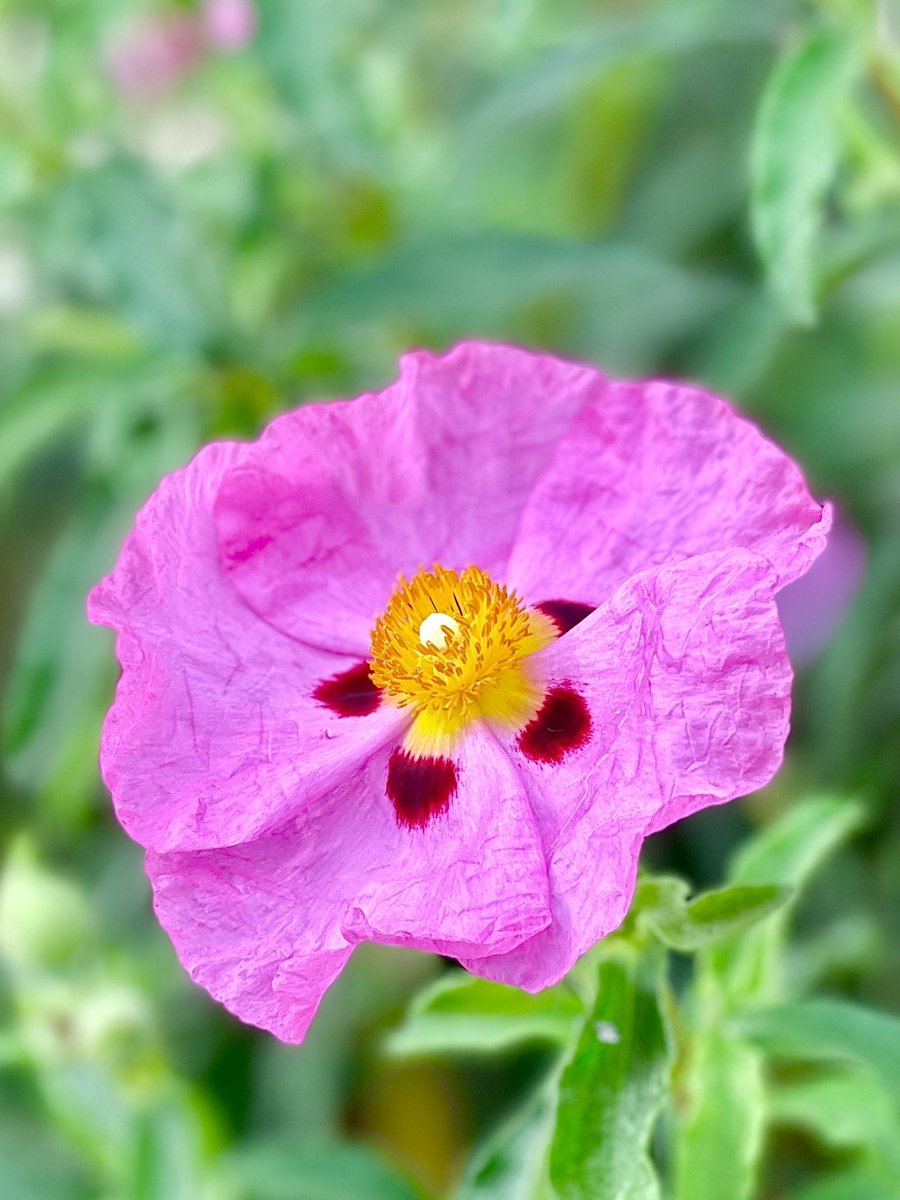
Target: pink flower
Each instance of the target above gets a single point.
(154, 54)
(812, 608)
(321, 739)
(229, 24)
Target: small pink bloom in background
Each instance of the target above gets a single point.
(812, 608)
(425, 668)
(229, 24)
(151, 56)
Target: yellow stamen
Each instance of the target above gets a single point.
(453, 647)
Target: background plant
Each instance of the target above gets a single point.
(708, 189)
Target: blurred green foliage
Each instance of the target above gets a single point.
(706, 188)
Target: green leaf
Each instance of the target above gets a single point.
(660, 896)
(63, 674)
(63, 671)
(285, 1170)
(462, 1013)
(69, 329)
(117, 234)
(613, 1087)
(844, 1110)
(794, 157)
(168, 1160)
(302, 48)
(36, 1164)
(720, 1135)
(865, 1182)
(547, 82)
(785, 854)
(512, 1163)
(16, 172)
(47, 405)
(620, 301)
(714, 915)
(821, 1029)
(794, 846)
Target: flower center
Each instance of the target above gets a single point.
(453, 647)
(436, 628)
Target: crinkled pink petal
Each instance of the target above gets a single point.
(653, 472)
(215, 735)
(474, 880)
(700, 717)
(266, 926)
(256, 573)
(244, 918)
(318, 518)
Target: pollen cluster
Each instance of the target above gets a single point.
(453, 647)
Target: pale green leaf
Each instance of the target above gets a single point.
(167, 1158)
(714, 915)
(720, 1134)
(794, 158)
(42, 409)
(36, 1163)
(462, 1013)
(821, 1029)
(63, 671)
(659, 895)
(292, 1170)
(864, 1182)
(622, 302)
(845, 1109)
(549, 80)
(117, 234)
(785, 854)
(790, 850)
(720, 1131)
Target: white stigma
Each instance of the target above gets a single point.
(433, 630)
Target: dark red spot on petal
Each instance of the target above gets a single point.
(562, 725)
(240, 552)
(419, 788)
(350, 693)
(566, 614)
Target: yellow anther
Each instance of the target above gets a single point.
(452, 647)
